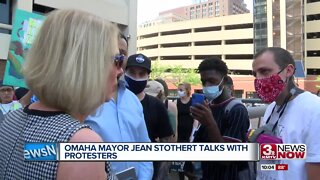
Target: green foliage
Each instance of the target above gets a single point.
(158, 71)
(193, 77)
(175, 74)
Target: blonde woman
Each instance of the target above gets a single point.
(70, 70)
(185, 121)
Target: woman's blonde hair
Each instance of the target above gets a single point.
(187, 86)
(70, 60)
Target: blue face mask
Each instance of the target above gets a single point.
(212, 92)
(134, 85)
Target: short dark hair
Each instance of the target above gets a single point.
(213, 63)
(281, 56)
(122, 36)
(165, 86)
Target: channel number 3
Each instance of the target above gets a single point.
(268, 150)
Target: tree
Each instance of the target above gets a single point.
(181, 75)
(193, 77)
(158, 70)
(175, 74)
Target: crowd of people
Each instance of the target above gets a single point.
(85, 87)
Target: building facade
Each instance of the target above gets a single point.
(210, 8)
(163, 19)
(312, 36)
(293, 25)
(198, 1)
(187, 43)
(122, 12)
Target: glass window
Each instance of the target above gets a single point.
(217, 13)
(5, 16)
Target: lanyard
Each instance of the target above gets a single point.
(281, 110)
(293, 92)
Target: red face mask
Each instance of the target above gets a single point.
(268, 89)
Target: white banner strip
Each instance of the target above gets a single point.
(158, 152)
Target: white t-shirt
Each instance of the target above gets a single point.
(14, 105)
(300, 123)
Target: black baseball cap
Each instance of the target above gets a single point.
(139, 60)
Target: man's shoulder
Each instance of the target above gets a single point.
(235, 105)
(309, 97)
(307, 102)
(128, 94)
(128, 97)
(106, 109)
(155, 105)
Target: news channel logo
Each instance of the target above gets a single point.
(40, 152)
(282, 151)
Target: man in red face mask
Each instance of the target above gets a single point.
(293, 113)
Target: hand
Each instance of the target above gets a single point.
(202, 113)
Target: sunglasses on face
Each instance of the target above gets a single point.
(118, 60)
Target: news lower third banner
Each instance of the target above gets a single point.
(141, 152)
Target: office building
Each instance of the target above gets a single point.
(293, 25)
(210, 8)
(122, 12)
(188, 42)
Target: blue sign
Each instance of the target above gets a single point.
(40, 152)
(300, 73)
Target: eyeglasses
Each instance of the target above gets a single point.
(118, 60)
(3, 90)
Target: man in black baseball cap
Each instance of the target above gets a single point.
(155, 113)
(139, 60)
(137, 73)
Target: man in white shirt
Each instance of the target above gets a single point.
(293, 113)
(6, 96)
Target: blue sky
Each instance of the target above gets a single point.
(149, 9)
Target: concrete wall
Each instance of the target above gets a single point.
(153, 37)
